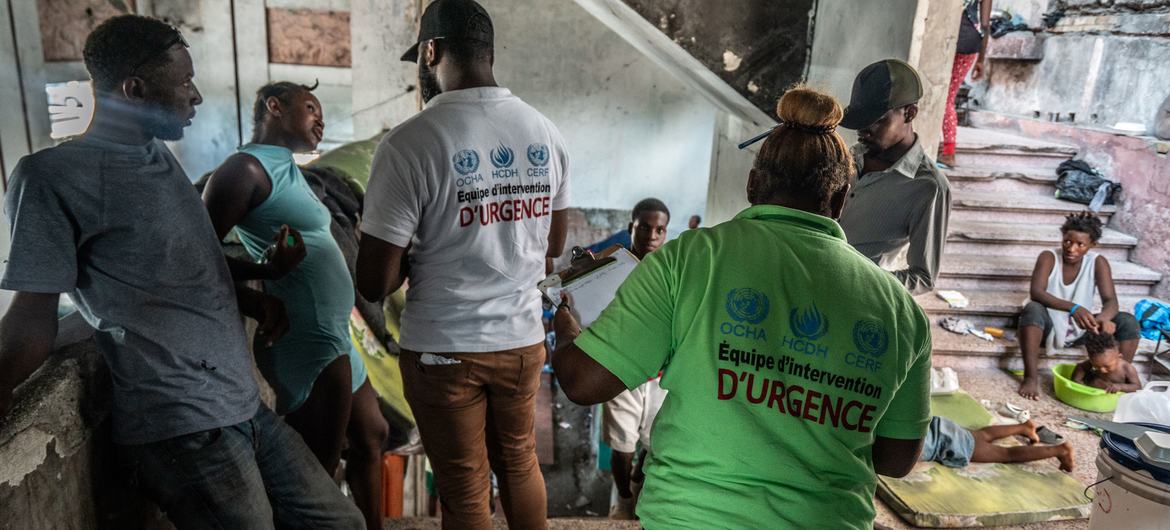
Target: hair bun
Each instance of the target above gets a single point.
(805, 109)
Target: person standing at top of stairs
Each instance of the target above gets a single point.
(900, 198)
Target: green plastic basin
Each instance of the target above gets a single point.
(1081, 396)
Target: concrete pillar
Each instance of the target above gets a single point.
(385, 89)
(727, 190)
(932, 52)
(251, 57)
(13, 135)
(847, 36)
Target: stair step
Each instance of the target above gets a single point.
(995, 308)
(1016, 208)
(991, 179)
(987, 148)
(979, 272)
(1025, 240)
(997, 303)
(968, 351)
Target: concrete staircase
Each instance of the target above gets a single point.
(1003, 215)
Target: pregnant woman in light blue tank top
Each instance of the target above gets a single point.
(319, 378)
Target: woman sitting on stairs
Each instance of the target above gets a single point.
(1061, 297)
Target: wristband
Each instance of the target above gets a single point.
(1074, 309)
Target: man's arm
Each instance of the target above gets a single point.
(557, 233)
(928, 235)
(895, 458)
(27, 332)
(382, 267)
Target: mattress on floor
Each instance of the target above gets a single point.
(978, 495)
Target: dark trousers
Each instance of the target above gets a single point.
(255, 474)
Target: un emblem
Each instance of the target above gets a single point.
(466, 161)
(538, 155)
(870, 338)
(809, 324)
(747, 305)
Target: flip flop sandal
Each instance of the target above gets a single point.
(1019, 414)
(1048, 436)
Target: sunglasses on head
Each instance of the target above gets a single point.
(177, 38)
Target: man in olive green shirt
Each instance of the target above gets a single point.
(796, 368)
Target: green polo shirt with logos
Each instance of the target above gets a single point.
(785, 352)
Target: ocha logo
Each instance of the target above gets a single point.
(870, 338)
(502, 156)
(466, 161)
(747, 305)
(809, 324)
(538, 155)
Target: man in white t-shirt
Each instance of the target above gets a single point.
(468, 198)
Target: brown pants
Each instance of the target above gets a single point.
(477, 412)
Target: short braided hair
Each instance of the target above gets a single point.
(1085, 222)
(282, 91)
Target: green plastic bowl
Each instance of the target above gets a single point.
(1081, 396)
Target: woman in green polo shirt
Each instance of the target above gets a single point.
(796, 367)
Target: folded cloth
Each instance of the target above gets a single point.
(943, 381)
(954, 299)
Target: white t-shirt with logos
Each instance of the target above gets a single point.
(472, 182)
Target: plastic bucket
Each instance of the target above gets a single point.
(1130, 494)
(1083, 397)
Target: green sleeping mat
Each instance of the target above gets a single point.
(979, 495)
(382, 369)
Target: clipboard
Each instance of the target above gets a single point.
(592, 283)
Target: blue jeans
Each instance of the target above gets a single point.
(255, 474)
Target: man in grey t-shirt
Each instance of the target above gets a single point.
(112, 220)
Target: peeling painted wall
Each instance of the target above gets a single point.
(58, 468)
(308, 37)
(65, 23)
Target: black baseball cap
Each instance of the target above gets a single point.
(452, 19)
(879, 88)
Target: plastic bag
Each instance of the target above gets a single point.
(1150, 404)
(1078, 182)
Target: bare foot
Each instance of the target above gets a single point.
(1066, 457)
(1030, 388)
(1030, 432)
(947, 159)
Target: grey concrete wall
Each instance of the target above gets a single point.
(224, 118)
(1104, 62)
(58, 468)
(847, 36)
